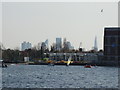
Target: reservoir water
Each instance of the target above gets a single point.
(43, 76)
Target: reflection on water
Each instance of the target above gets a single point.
(41, 76)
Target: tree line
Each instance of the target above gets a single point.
(15, 55)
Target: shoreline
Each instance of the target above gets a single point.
(72, 64)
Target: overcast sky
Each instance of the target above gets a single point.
(37, 21)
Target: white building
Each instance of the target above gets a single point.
(26, 59)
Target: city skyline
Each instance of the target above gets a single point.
(36, 22)
(59, 44)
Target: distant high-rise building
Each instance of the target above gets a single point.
(23, 46)
(69, 46)
(26, 45)
(58, 44)
(43, 46)
(53, 47)
(95, 44)
(64, 44)
(39, 46)
(112, 43)
(46, 43)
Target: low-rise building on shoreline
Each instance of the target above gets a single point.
(90, 57)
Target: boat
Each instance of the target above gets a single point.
(2, 64)
(87, 66)
(51, 64)
(13, 64)
(94, 65)
(69, 61)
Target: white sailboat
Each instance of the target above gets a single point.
(69, 60)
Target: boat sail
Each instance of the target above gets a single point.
(69, 60)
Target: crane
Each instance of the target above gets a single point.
(80, 44)
(80, 47)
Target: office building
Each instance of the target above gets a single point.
(70, 47)
(26, 45)
(58, 44)
(46, 43)
(95, 44)
(43, 46)
(112, 43)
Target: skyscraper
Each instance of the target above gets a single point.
(70, 47)
(46, 43)
(64, 44)
(95, 44)
(26, 45)
(58, 44)
(43, 46)
(39, 46)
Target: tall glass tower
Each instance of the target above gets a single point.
(58, 44)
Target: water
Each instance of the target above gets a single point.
(43, 76)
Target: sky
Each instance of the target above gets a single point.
(37, 21)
